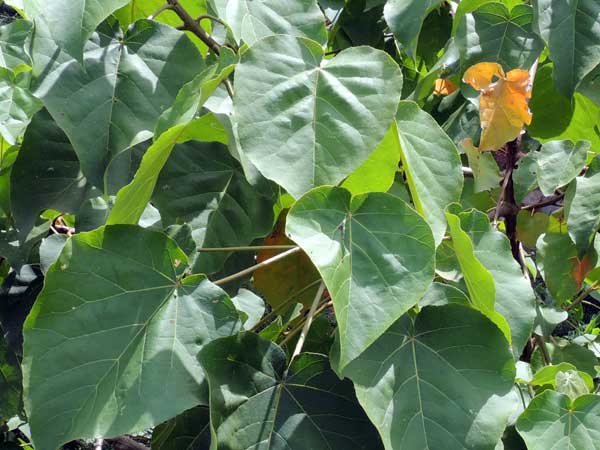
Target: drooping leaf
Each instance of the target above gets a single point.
(203, 185)
(431, 163)
(70, 23)
(297, 270)
(252, 20)
(559, 162)
(515, 298)
(375, 254)
(304, 121)
(46, 174)
(188, 431)
(128, 82)
(503, 103)
(485, 169)
(132, 199)
(572, 32)
(14, 38)
(119, 291)
(553, 420)
(480, 282)
(582, 209)
(420, 390)
(17, 106)
(256, 403)
(494, 33)
(405, 18)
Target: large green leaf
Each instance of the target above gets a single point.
(111, 344)
(493, 33)
(515, 298)
(556, 258)
(127, 83)
(304, 121)
(46, 174)
(554, 421)
(256, 403)
(252, 20)
(442, 380)
(17, 105)
(572, 32)
(559, 162)
(375, 254)
(132, 199)
(188, 431)
(204, 186)
(431, 163)
(405, 18)
(70, 23)
(14, 39)
(480, 282)
(582, 209)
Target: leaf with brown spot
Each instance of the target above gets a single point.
(504, 102)
(278, 282)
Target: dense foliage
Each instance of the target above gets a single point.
(269, 224)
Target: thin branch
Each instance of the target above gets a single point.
(309, 321)
(209, 17)
(282, 306)
(249, 248)
(549, 201)
(507, 179)
(254, 268)
(582, 296)
(190, 24)
(160, 10)
(541, 343)
(229, 87)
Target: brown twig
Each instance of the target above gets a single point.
(190, 24)
(549, 201)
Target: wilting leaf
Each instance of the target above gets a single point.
(420, 390)
(553, 420)
(119, 291)
(256, 403)
(375, 254)
(305, 121)
(503, 104)
(286, 279)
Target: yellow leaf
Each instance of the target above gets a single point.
(504, 102)
(444, 86)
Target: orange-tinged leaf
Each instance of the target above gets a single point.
(504, 102)
(581, 267)
(444, 86)
(279, 281)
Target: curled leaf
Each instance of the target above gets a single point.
(504, 102)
